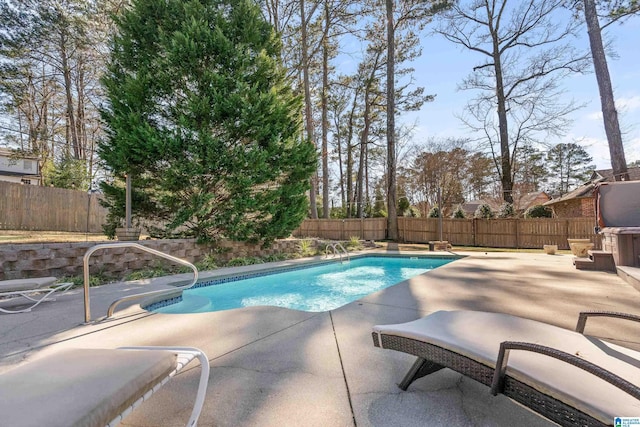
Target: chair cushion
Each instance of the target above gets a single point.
(26, 284)
(477, 335)
(84, 387)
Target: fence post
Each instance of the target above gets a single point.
(474, 229)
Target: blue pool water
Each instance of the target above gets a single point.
(315, 289)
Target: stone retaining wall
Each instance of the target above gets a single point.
(66, 259)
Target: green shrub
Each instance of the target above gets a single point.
(238, 262)
(306, 247)
(507, 211)
(538, 211)
(484, 211)
(94, 280)
(412, 212)
(459, 213)
(275, 257)
(148, 273)
(403, 205)
(434, 212)
(207, 263)
(354, 243)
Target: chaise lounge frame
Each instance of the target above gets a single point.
(35, 290)
(432, 358)
(184, 356)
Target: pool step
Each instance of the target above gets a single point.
(598, 261)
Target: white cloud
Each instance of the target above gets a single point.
(624, 106)
(595, 116)
(598, 149)
(632, 149)
(627, 105)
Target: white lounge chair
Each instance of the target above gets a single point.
(570, 378)
(35, 290)
(93, 387)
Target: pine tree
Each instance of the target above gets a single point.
(201, 115)
(484, 211)
(570, 164)
(458, 213)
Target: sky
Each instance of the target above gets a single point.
(443, 65)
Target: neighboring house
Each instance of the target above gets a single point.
(521, 204)
(580, 202)
(471, 206)
(528, 200)
(20, 169)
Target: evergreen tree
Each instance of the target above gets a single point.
(507, 211)
(458, 213)
(70, 173)
(570, 164)
(379, 206)
(200, 113)
(530, 169)
(484, 211)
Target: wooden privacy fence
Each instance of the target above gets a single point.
(31, 207)
(343, 229)
(496, 233)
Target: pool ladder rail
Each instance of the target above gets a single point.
(337, 249)
(112, 307)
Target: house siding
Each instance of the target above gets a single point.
(575, 208)
(21, 170)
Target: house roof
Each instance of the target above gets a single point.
(634, 174)
(6, 152)
(472, 205)
(526, 200)
(22, 174)
(598, 176)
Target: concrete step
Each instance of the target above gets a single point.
(584, 264)
(604, 260)
(597, 261)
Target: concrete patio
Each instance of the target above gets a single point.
(279, 367)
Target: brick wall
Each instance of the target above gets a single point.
(66, 259)
(588, 205)
(569, 209)
(575, 208)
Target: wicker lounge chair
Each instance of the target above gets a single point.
(569, 378)
(92, 387)
(35, 290)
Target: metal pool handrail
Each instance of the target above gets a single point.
(112, 307)
(335, 247)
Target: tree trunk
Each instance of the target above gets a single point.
(307, 103)
(609, 113)
(506, 177)
(338, 141)
(364, 137)
(392, 214)
(71, 122)
(349, 147)
(81, 125)
(325, 119)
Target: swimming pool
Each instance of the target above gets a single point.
(314, 288)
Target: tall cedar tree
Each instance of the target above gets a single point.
(200, 113)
